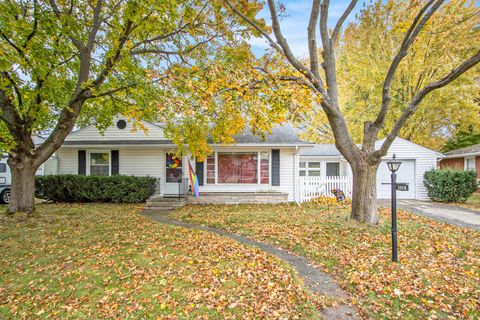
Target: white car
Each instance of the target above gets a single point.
(5, 181)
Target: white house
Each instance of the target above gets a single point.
(278, 168)
(325, 161)
(259, 168)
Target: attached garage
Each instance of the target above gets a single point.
(316, 164)
(406, 174)
(416, 160)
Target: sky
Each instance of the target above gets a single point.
(294, 23)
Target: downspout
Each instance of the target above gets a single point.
(295, 172)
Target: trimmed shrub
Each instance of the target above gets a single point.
(80, 188)
(450, 185)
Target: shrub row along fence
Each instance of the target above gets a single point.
(314, 187)
(79, 188)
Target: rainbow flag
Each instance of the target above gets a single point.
(193, 180)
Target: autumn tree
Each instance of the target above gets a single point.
(462, 139)
(374, 36)
(320, 76)
(61, 61)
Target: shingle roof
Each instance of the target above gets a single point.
(284, 134)
(280, 135)
(467, 150)
(321, 150)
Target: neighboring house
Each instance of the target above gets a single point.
(467, 158)
(326, 161)
(282, 166)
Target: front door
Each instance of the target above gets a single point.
(173, 175)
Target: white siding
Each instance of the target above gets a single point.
(67, 161)
(425, 159)
(142, 162)
(133, 161)
(152, 132)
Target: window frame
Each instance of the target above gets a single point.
(334, 162)
(89, 161)
(308, 169)
(465, 166)
(258, 183)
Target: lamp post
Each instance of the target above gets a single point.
(393, 166)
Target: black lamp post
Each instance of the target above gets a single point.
(393, 166)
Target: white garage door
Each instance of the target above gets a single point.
(406, 174)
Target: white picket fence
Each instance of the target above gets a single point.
(313, 187)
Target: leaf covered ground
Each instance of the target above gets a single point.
(438, 276)
(105, 261)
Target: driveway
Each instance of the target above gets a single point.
(446, 213)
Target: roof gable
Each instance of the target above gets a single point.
(149, 131)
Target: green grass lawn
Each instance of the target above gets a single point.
(439, 271)
(474, 201)
(105, 261)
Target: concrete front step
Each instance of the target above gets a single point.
(165, 203)
(166, 199)
(162, 205)
(149, 208)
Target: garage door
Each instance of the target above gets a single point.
(406, 174)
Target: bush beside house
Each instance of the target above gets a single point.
(450, 185)
(80, 188)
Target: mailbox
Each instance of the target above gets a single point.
(401, 186)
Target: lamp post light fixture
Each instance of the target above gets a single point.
(393, 166)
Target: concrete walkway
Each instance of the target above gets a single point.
(455, 215)
(315, 280)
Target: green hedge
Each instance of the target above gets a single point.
(80, 188)
(450, 185)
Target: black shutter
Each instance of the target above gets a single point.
(115, 163)
(82, 162)
(275, 167)
(199, 172)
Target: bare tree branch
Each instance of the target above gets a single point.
(411, 108)
(328, 55)
(95, 25)
(272, 42)
(312, 38)
(169, 52)
(417, 25)
(338, 25)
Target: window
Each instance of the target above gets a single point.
(470, 164)
(310, 169)
(3, 167)
(211, 169)
(264, 167)
(333, 169)
(237, 167)
(99, 164)
(173, 168)
(314, 165)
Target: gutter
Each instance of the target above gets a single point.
(461, 155)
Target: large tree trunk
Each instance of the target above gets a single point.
(22, 196)
(364, 196)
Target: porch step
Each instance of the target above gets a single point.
(163, 203)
